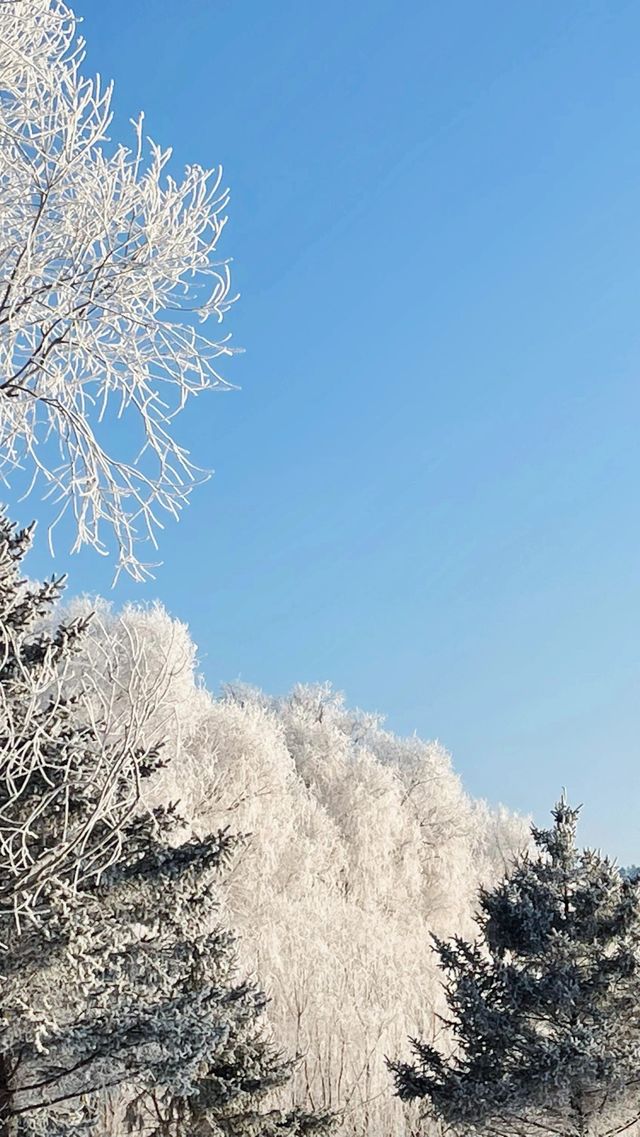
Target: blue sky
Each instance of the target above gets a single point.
(427, 489)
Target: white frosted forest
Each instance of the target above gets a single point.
(359, 845)
(233, 914)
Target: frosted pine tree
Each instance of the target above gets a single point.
(114, 973)
(65, 791)
(544, 1021)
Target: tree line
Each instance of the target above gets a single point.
(124, 1006)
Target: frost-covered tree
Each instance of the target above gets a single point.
(361, 844)
(130, 983)
(70, 767)
(544, 1009)
(114, 968)
(108, 281)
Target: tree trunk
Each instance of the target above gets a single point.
(580, 1114)
(5, 1098)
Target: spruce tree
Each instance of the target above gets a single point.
(544, 1019)
(114, 971)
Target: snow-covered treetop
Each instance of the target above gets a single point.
(358, 844)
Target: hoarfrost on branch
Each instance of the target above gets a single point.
(108, 278)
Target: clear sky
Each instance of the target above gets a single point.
(427, 489)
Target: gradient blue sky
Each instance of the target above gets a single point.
(427, 489)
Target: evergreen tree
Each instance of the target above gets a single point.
(545, 1006)
(65, 792)
(113, 970)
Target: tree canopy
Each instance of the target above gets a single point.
(109, 280)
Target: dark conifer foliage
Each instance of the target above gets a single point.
(544, 1009)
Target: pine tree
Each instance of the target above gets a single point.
(114, 972)
(545, 1006)
(65, 792)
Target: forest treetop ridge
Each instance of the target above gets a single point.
(108, 272)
